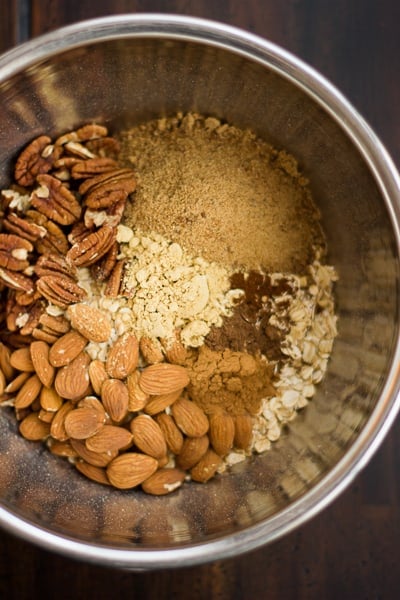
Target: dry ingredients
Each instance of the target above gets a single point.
(136, 341)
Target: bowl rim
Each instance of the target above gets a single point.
(287, 65)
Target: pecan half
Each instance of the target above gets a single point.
(78, 233)
(102, 269)
(111, 216)
(79, 150)
(17, 281)
(104, 190)
(92, 248)
(14, 252)
(14, 312)
(114, 281)
(38, 157)
(59, 325)
(50, 328)
(92, 166)
(34, 314)
(67, 162)
(83, 134)
(26, 298)
(54, 264)
(60, 290)
(105, 146)
(44, 336)
(55, 200)
(106, 198)
(62, 167)
(55, 239)
(24, 228)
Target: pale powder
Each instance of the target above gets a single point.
(168, 289)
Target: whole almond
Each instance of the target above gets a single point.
(89, 321)
(115, 398)
(3, 382)
(82, 423)
(57, 325)
(21, 359)
(150, 350)
(97, 459)
(17, 383)
(175, 352)
(63, 449)
(40, 358)
(45, 415)
(189, 417)
(206, 467)
(97, 375)
(123, 356)
(163, 481)
(222, 432)
(96, 474)
(72, 381)
(57, 429)
(243, 431)
(44, 335)
(50, 400)
(163, 378)
(193, 449)
(172, 433)
(66, 348)
(156, 404)
(110, 438)
(28, 392)
(5, 364)
(163, 461)
(148, 437)
(131, 469)
(33, 429)
(95, 404)
(137, 397)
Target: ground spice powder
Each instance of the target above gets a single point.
(221, 193)
(235, 382)
(249, 327)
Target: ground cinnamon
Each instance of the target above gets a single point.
(235, 382)
(249, 328)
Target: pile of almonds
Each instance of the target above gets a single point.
(119, 423)
(126, 421)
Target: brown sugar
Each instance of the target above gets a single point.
(221, 193)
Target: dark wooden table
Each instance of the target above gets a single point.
(352, 549)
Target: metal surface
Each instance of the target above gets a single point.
(121, 70)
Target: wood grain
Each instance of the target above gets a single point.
(8, 24)
(351, 549)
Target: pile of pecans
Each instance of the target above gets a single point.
(125, 421)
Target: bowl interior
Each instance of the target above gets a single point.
(129, 79)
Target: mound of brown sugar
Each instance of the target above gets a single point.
(221, 193)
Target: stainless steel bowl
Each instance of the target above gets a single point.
(121, 70)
